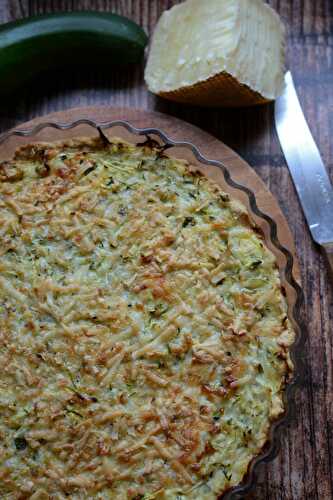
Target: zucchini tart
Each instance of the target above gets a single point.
(144, 336)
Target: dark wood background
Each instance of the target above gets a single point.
(303, 469)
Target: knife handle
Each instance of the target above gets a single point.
(328, 249)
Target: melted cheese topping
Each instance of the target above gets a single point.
(143, 333)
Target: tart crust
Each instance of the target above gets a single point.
(144, 332)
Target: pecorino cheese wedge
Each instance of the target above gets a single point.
(218, 53)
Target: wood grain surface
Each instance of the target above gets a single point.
(303, 469)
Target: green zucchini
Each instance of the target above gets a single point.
(37, 44)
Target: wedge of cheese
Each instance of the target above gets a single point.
(218, 53)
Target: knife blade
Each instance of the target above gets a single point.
(306, 166)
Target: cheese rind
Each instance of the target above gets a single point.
(228, 52)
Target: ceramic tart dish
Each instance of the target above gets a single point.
(147, 345)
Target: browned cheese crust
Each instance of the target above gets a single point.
(144, 337)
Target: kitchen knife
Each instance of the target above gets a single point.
(306, 167)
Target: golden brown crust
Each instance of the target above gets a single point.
(144, 334)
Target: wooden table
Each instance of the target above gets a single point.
(303, 469)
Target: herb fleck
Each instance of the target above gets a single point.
(188, 221)
(254, 265)
(20, 443)
(89, 170)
